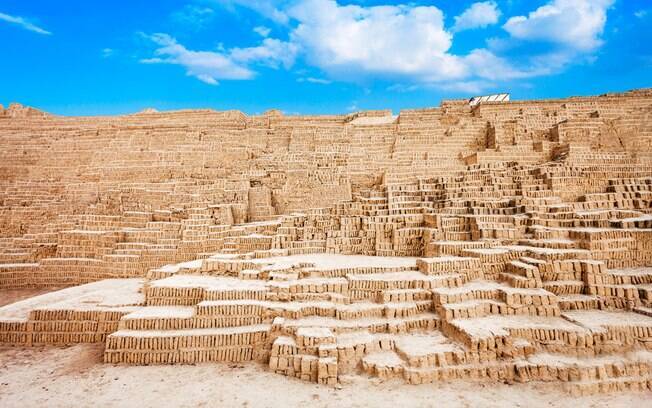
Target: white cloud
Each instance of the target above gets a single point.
(410, 45)
(194, 16)
(485, 64)
(406, 44)
(473, 86)
(402, 88)
(267, 8)
(575, 24)
(212, 66)
(262, 31)
(107, 52)
(469, 87)
(353, 41)
(207, 66)
(479, 15)
(271, 53)
(207, 78)
(640, 14)
(312, 80)
(390, 41)
(23, 23)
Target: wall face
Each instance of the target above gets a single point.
(507, 242)
(115, 196)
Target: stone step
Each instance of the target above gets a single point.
(489, 290)
(550, 243)
(610, 385)
(523, 269)
(518, 281)
(635, 276)
(188, 290)
(422, 321)
(185, 346)
(370, 285)
(384, 365)
(481, 308)
(404, 295)
(431, 349)
(578, 302)
(625, 292)
(564, 287)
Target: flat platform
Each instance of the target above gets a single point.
(110, 294)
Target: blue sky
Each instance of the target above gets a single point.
(314, 56)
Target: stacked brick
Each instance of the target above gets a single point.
(510, 242)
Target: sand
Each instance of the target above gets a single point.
(74, 376)
(9, 296)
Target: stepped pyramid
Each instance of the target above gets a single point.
(507, 241)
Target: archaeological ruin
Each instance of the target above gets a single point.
(506, 241)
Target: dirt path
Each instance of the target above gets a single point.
(74, 376)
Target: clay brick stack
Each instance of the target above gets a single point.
(506, 241)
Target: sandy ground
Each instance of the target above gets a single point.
(74, 376)
(8, 296)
